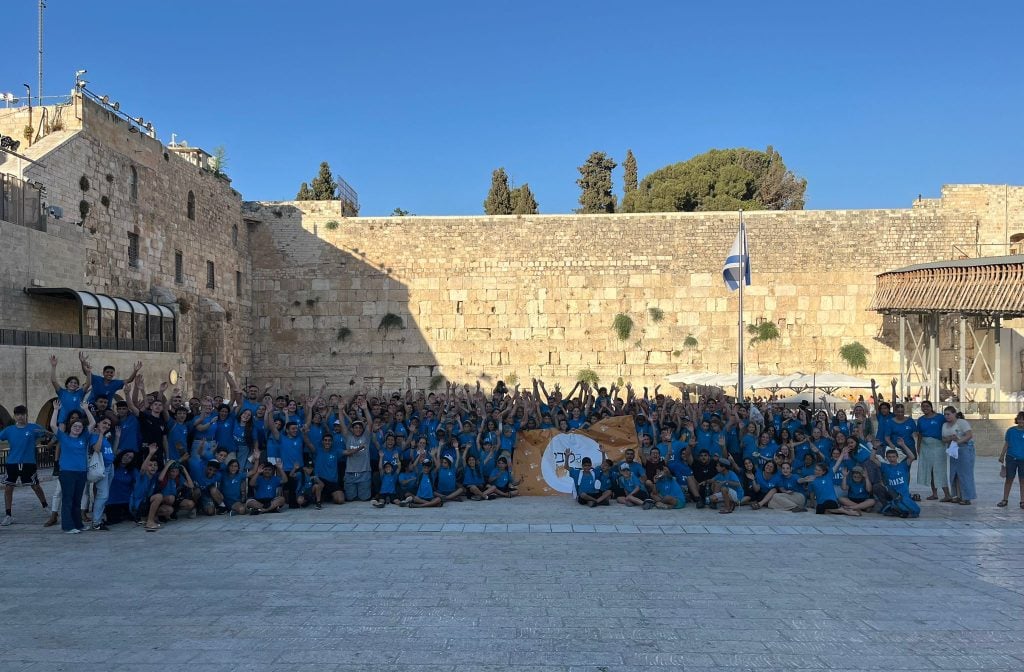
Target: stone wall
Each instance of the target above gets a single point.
(130, 183)
(490, 297)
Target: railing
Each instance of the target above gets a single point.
(45, 456)
(52, 339)
(972, 408)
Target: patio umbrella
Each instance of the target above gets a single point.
(809, 397)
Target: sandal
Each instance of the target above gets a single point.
(755, 506)
(1002, 503)
(916, 497)
(946, 500)
(930, 497)
(964, 502)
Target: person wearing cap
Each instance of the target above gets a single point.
(266, 488)
(358, 471)
(726, 488)
(388, 487)
(425, 497)
(305, 481)
(388, 452)
(21, 438)
(632, 488)
(856, 490)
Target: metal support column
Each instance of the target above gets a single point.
(903, 357)
(932, 327)
(962, 387)
(997, 325)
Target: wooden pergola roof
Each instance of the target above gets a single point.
(987, 286)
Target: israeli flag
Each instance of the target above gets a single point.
(738, 261)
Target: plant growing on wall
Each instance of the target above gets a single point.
(512, 379)
(389, 323)
(331, 225)
(588, 376)
(105, 200)
(762, 332)
(436, 382)
(855, 355)
(622, 325)
(219, 162)
(83, 183)
(690, 342)
(657, 314)
(344, 333)
(83, 208)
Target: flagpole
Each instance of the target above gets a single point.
(739, 317)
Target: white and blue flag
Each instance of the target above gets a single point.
(737, 264)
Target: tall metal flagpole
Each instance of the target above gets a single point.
(739, 319)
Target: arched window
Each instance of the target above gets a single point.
(234, 235)
(191, 212)
(133, 184)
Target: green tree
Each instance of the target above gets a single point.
(629, 178)
(305, 193)
(499, 198)
(324, 187)
(762, 332)
(219, 162)
(721, 179)
(399, 212)
(523, 201)
(596, 184)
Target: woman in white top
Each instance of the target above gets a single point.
(961, 467)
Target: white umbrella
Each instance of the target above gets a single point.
(830, 381)
(809, 397)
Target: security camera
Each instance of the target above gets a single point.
(79, 73)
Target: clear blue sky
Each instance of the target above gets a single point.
(414, 103)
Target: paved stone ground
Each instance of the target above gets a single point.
(535, 584)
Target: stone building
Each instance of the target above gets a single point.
(293, 293)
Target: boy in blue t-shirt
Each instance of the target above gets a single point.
(668, 493)
(265, 486)
(896, 473)
(633, 489)
(821, 485)
(727, 488)
(21, 438)
(587, 483)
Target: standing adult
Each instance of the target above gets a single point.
(1012, 458)
(932, 465)
(961, 466)
(358, 471)
(73, 459)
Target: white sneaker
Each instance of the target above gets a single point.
(6, 521)
(73, 530)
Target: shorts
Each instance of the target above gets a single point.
(504, 488)
(1014, 466)
(718, 496)
(592, 495)
(329, 488)
(265, 503)
(28, 476)
(826, 506)
(858, 500)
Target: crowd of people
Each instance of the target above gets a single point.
(125, 454)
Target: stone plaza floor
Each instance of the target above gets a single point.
(537, 584)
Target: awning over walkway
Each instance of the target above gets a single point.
(135, 325)
(991, 286)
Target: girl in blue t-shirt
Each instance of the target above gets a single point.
(388, 486)
(821, 485)
(424, 497)
(502, 480)
(447, 481)
(232, 486)
(473, 480)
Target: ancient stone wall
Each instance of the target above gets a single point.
(529, 296)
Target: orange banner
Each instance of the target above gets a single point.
(540, 454)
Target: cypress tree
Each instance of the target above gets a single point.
(324, 186)
(499, 198)
(596, 184)
(523, 201)
(305, 193)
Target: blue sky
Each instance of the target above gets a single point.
(415, 103)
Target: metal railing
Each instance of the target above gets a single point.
(45, 456)
(52, 339)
